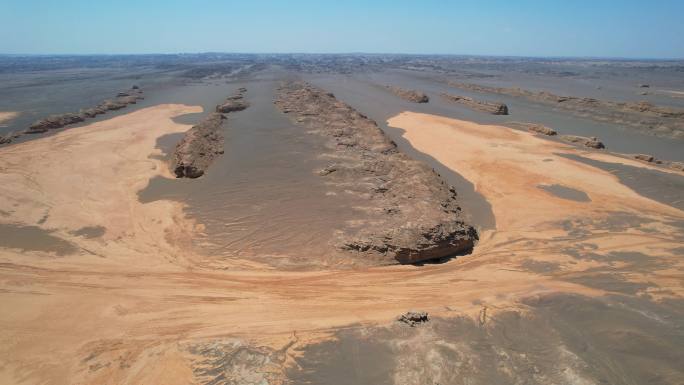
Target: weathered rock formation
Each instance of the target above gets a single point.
(679, 166)
(654, 120)
(480, 105)
(7, 138)
(205, 142)
(535, 128)
(410, 95)
(645, 158)
(52, 122)
(233, 103)
(199, 147)
(541, 129)
(413, 318)
(592, 142)
(412, 215)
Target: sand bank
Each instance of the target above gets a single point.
(508, 166)
(88, 178)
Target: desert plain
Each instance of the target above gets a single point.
(333, 195)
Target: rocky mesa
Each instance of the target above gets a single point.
(412, 215)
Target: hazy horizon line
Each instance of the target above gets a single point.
(625, 58)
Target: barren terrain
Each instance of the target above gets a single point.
(114, 271)
(126, 301)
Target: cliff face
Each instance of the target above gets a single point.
(414, 217)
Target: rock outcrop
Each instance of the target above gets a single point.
(410, 95)
(233, 103)
(413, 318)
(645, 158)
(199, 147)
(7, 138)
(480, 105)
(678, 166)
(541, 129)
(52, 122)
(592, 142)
(535, 128)
(204, 142)
(654, 120)
(412, 215)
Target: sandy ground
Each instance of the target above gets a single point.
(6, 116)
(127, 305)
(508, 166)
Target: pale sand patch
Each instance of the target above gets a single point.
(506, 165)
(6, 116)
(89, 176)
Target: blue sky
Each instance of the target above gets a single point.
(598, 28)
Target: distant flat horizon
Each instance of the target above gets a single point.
(578, 58)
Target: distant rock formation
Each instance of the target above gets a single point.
(484, 106)
(410, 95)
(415, 215)
(645, 158)
(199, 147)
(52, 122)
(655, 120)
(7, 138)
(535, 128)
(592, 142)
(233, 103)
(541, 129)
(678, 166)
